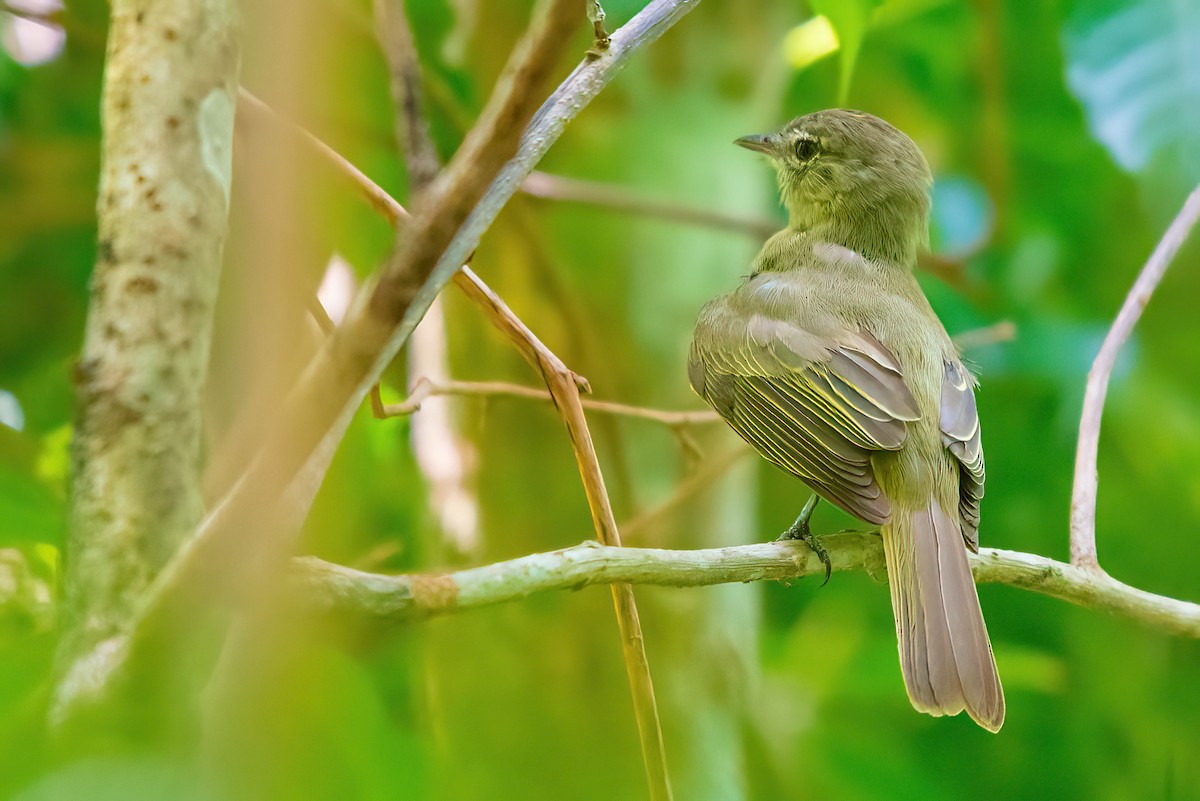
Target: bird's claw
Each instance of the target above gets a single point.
(800, 531)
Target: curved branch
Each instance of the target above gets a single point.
(388, 599)
(1083, 496)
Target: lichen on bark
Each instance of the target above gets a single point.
(170, 86)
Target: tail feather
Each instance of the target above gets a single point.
(945, 654)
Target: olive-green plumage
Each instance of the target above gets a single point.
(829, 360)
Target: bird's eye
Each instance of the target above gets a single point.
(806, 148)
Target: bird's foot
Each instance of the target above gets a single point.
(800, 531)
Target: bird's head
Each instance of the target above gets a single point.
(851, 173)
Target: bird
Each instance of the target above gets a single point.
(829, 360)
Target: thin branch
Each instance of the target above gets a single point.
(442, 455)
(564, 387)
(588, 79)
(595, 15)
(395, 38)
(402, 598)
(1083, 496)
(369, 338)
(248, 530)
(427, 388)
(593, 193)
(50, 19)
(706, 475)
(380, 200)
(557, 377)
(995, 334)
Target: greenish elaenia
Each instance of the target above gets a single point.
(829, 360)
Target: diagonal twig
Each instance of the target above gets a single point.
(563, 384)
(618, 198)
(564, 388)
(249, 529)
(1083, 495)
(442, 455)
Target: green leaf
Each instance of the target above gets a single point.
(113, 779)
(1133, 65)
(849, 20)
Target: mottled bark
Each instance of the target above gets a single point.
(168, 106)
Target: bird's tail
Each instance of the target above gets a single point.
(945, 653)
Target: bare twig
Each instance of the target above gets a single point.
(393, 599)
(1083, 496)
(595, 14)
(380, 200)
(1003, 331)
(248, 527)
(705, 476)
(564, 387)
(427, 388)
(420, 155)
(441, 454)
(548, 124)
(593, 193)
(555, 373)
(50, 19)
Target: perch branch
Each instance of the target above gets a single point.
(1083, 496)
(399, 598)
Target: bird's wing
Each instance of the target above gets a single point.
(817, 412)
(960, 434)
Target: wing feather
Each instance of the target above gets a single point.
(959, 422)
(819, 413)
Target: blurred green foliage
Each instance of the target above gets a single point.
(1063, 136)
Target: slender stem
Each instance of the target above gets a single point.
(420, 155)
(249, 530)
(380, 200)
(564, 387)
(400, 598)
(574, 190)
(440, 452)
(1003, 331)
(1083, 497)
(426, 388)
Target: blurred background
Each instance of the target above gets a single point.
(1063, 137)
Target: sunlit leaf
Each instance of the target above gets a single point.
(1135, 67)
(849, 20)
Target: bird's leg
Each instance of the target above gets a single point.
(800, 531)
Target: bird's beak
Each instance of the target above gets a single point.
(761, 143)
